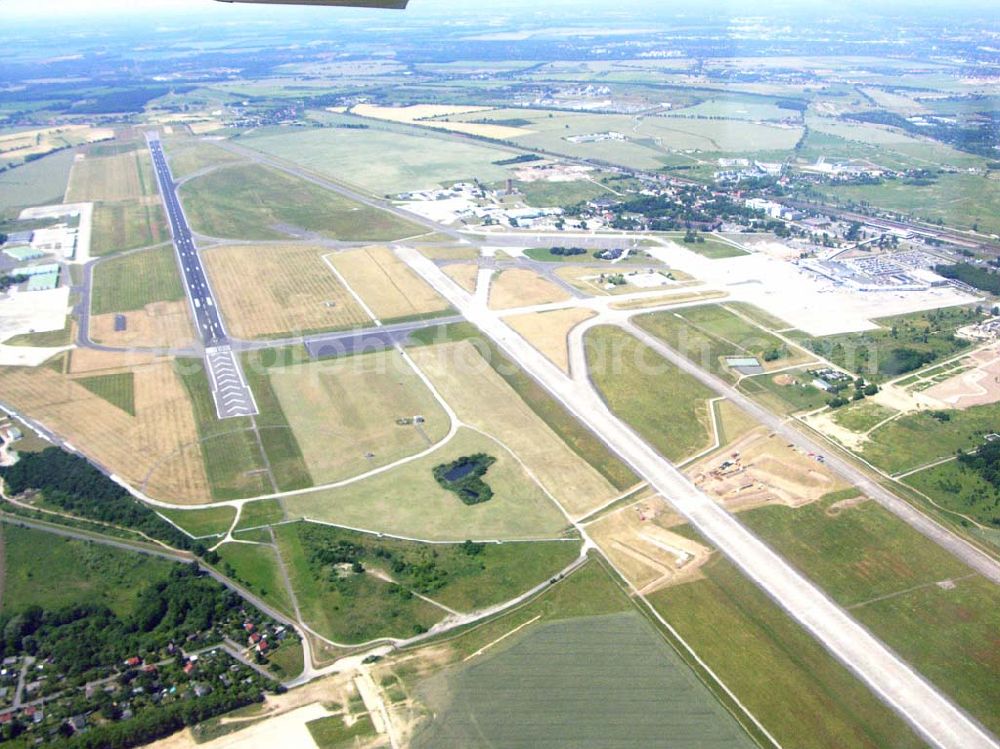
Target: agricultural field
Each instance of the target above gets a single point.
(345, 413)
(931, 609)
(495, 408)
(387, 285)
(385, 162)
(132, 281)
(519, 287)
(811, 700)
(155, 450)
(128, 225)
(707, 334)
(407, 501)
(40, 182)
(276, 291)
(29, 146)
(260, 203)
(71, 572)
(549, 331)
(666, 406)
(564, 671)
(125, 176)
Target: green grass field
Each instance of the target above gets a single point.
(710, 247)
(560, 194)
(798, 395)
(961, 490)
(902, 343)
(116, 389)
(130, 282)
(666, 406)
(349, 607)
(187, 156)
(40, 182)
(256, 568)
(706, 334)
(862, 416)
(127, 226)
(233, 462)
(888, 575)
(48, 338)
(333, 733)
(590, 681)
(71, 572)
(261, 513)
(800, 693)
(254, 202)
(919, 438)
(385, 161)
(210, 521)
(463, 577)
(407, 501)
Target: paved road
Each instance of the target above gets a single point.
(371, 339)
(932, 714)
(979, 561)
(230, 391)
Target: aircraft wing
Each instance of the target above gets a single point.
(397, 4)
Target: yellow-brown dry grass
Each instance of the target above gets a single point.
(464, 275)
(519, 287)
(549, 331)
(660, 300)
(158, 325)
(162, 432)
(483, 400)
(20, 145)
(125, 176)
(650, 557)
(88, 361)
(273, 290)
(387, 284)
(763, 470)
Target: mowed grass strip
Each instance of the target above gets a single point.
(668, 407)
(390, 289)
(463, 576)
(261, 513)
(229, 449)
(345, 606)
(130, 282)
(254, 202)
(72, 572)
(211, 521)
(889, 576)
(124, 176)
(278, 291)
(800, 693)
(255, 566)
(590, 681)
(407, 501)
(117, 389)
(345, 413)
(128, 225)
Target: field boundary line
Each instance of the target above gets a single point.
(500, 639)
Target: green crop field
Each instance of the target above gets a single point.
(385, 162)
(130, 282)
(116, 389)
(127, 226)
(919, 438)
(407, 501)
(258, 203)
(902, 344)
(233, 462)
(71, 572)
(590, 681)
(800, 693)
(889, 576)
(462, 576)
(961, 490)
(256, 568)
(669, 408)
(346, 606)
(210, 521)
(40, 182)
(708, 333)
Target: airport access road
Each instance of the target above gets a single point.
(930, 713)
